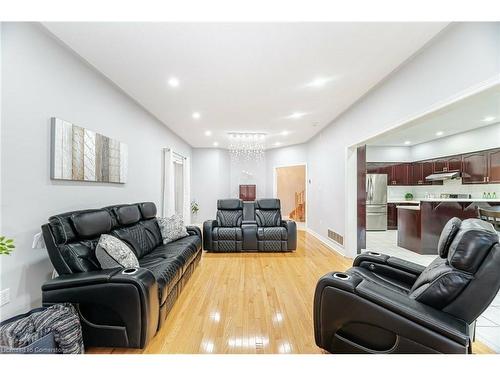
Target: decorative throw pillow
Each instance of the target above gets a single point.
(172, 228)
(112, 252)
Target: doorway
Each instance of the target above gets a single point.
(290, 189)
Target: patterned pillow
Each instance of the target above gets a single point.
(172, 228)
(112, 252)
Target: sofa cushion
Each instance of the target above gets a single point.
(272, 234)
(167, 273)
(136, 236)
(148, 210)
(111, 252)
(183, 251)
(447, 235)
(80, 256)
(172, 228)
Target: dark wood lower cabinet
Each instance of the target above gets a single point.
(409, 230)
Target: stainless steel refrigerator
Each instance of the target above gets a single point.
(376, 202)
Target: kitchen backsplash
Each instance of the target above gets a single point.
(449, 186)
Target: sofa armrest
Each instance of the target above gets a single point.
(208, 227)
(291, 228)
(193, 230)
(118, 307)
(436, 320)
(392, 267)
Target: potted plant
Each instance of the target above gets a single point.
(408, 196)
(6, 245)
(194, 207)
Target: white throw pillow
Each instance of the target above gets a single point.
(112, 252)
(172, 228)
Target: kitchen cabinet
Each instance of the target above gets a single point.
(247, 192)
(475, 168)
(448, 164)
(392, 216)
(419, 171)
(494, 166)
(399, 174)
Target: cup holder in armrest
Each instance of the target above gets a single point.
(129, 271)
(341, 276)
(373, 253)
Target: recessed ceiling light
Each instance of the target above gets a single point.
(216, 144)
(296, 115)
(285, 132)
(407, 142)
(319, 82)
(277, 144)
(488, 118)
(440, 133)
(196, 115)
(208, 133)
(173, 82)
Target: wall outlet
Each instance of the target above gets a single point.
(4, 297)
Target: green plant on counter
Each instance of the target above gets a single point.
(6, 245)
(194, 207)
(408, 196)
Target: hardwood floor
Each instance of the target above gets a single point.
(248, 303)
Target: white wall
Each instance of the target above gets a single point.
(248, 172)
(211, 180)
(475, 140)
(388, 153)
(462, 57)
(41, 79)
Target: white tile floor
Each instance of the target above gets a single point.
(488, 324)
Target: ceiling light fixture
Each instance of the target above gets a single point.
(319, 82)
(277, 144)
(285, 132)
(208, 133)
(173, 82)
(246, 146)
(440, 133)
(296, 115)
(196, 115)
(407, 142)
(488, 118)
(216, 144)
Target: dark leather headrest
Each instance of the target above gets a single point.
(127, 215)
(91, 223)
(471, 244)
(268, 204)
(447, 235)
(148, 210)
(229, 204)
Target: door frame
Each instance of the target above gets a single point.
(306, 182)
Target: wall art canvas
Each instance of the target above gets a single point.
(80, 154)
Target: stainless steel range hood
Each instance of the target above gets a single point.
(443, 176)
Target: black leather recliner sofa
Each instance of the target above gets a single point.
(249, 226)
(117, 307)
(387, 305)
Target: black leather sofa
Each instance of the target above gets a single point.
(385, 304)
(118, 307)
(249, 226)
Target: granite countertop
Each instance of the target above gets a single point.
(402, 200)
(415, 208)
(418, 200)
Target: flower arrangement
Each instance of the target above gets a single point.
(194, 207)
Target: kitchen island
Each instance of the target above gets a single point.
(419, 228)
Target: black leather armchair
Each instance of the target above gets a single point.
(274, 233)
(387, 305)
(225, 233)
(117, 307)
(249, 226)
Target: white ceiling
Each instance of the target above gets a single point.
(476, 111)
(245, 77)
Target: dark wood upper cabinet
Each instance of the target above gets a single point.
(248, 192)
(475, 168)
(448, 164)
(419, 171)
(494, 166)
(455, 163)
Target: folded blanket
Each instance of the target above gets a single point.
(62, 320)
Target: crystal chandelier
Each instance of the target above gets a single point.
(246, 146)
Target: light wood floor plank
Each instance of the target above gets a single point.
(249, 303)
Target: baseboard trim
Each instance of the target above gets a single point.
(328, 243)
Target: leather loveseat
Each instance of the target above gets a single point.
(249, 226)
(117, 307)
(385, 304)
